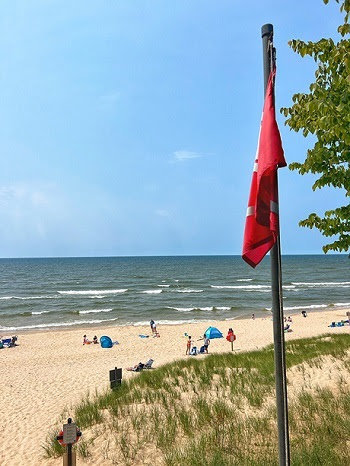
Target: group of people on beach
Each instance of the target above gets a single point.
(86, 341)
(189, 344)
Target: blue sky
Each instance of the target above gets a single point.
(130, 127)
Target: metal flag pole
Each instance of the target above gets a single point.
(276, 287)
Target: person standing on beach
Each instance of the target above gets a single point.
(189, 344)
(153, 326)
(206, 343)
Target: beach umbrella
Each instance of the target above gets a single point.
(213, 332)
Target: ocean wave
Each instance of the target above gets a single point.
(342, 304)
(56, 324)
(164, 286)
(95, 311)
(37, 313)
(29, 297)
(241, 287)
(324, 284)
(208, 308)
(93, 292)
(151, 291)
(311, 306)
(164, 322)
(244, 279)
(188, 290)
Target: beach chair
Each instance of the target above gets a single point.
(6, 341)
(148, 364)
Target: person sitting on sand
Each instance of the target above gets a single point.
(95, 340)
(13, 341)
(86, 341)
(304, 313)
(189, 344)
(137, 368)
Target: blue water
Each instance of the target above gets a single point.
(66, 292)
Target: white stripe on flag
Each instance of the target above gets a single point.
(274, 207)
(250, 211)
(255, 169)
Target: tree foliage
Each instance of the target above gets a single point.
(325, 113)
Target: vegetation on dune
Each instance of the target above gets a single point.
(221, 408)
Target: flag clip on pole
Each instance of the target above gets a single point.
(262, 233)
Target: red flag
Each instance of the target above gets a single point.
(261, 228)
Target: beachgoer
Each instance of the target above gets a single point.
(206, 343)
(348, 316)
(13, 341)
(153, 326)
(230, 334)
(95, 340)
(304, 313)
(253, 316)
(86, 341)
(137, 368)
(289, 319)
(189, 344)
(154, 329)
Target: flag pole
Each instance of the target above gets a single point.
(276, 287)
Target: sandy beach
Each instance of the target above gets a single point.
(49, 372)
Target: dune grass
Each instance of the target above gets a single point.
(221, 410)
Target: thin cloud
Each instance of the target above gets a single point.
(182, 155)
(162, 213)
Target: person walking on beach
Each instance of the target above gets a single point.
(189, 344)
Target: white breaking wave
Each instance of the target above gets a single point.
(93, 311)
(152, 291)
(326, 284)
(244, 279)
(341, 304)
(93, 292)
(164, 286)
(241, 287)
(6, 297)
(34, 313)
(62, 324)
(187, 290)
(311, 306)
(99, 296)
(189, 309)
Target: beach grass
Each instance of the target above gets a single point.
(220, 409)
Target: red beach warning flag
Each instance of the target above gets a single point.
(261, 227)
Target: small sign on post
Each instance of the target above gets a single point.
(67, 438)
(115, 377)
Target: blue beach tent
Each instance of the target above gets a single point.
(106, 342)
(213, 332)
